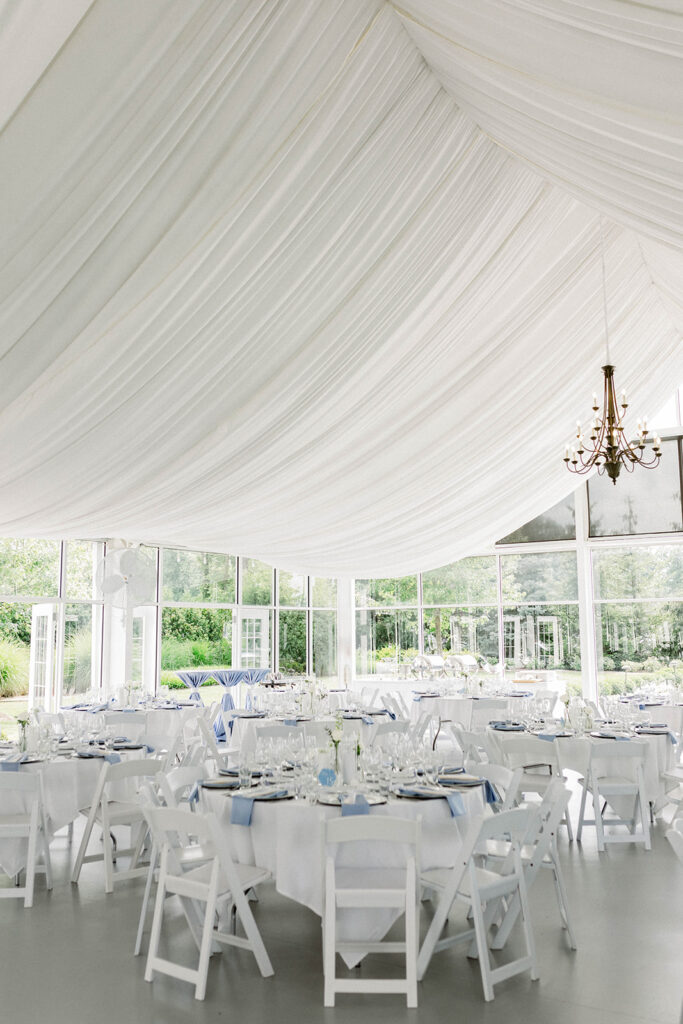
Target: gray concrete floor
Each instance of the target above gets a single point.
(70, 959)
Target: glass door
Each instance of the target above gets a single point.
(42, 657)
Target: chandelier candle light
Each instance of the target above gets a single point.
(607, 448)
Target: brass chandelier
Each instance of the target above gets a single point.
(607, 447)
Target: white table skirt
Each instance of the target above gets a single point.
(286, 838)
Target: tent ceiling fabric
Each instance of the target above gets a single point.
(271, 285)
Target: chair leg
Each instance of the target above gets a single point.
(411, 947)
(582, 812)
(482, 947)
(441, 913)
(526, 924)
(599, 825)
(31, 866)
(156, 922)
(108, 850)
(253, 934)
(645, 818)
(207, 938)
(329, 930)
(562, 900)
(145, 900)
(84, 843)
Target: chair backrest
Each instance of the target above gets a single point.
(475, 746)
(369, 695)
(317, 732)
(668, 715)
(383, 730)
(421, 726)
(486, 709)
(372, 828)
(178, 782)
(55, 719)
(208, 737)
(278, 732)
(629, 756)
(505, 781)
(520, 750)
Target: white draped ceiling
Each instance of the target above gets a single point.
(319, 281)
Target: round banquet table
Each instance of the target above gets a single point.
(159, 726)
(68, 784)
(286, 838)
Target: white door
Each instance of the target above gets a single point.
(42, 659)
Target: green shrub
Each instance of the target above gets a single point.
(78, 662)
(14, 665)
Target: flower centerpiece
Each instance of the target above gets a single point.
(336, 736)
(23, 725)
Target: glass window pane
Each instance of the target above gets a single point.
(29, 567)
(557, 523)
(462, 631)
(639, 644)
(194, 638)
(82, 640)
(471, 580)
(257, 582)
(325, 645)
(292, 589)
(323, 592)
(384, 640)
(393, 591)
(544, 577)
(199, 576)
(82, 560)
(15, 649)
(542, 637)
(645, 501)
(638, 572)
(292, 641)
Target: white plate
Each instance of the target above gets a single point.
(334, 800)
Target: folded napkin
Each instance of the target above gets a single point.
(242, 810)
(386, 711)
(357, 806)
(368, 720)
(193, 795)
(243, 806)
(546, 736)
(507, 726)
(295, 721)
(11, 763)
(455, 804)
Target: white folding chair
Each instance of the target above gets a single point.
(385, 730)
(109, 811)
(55, 719)
(506, 782)
(418, 730)
(539, 850)
(132, 723)
(175, 786)
(475, 746)
(615, 771)
(483, 889)
(388, 888)
(22, 817)
(220, 753)
(368, 696)
(218, 881)
(487, 709)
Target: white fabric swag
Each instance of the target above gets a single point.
(319, 282)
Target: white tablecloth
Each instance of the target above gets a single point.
(287, 838)
(159, 726)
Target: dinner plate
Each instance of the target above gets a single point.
(461, 780)
(219, 784)
(255, 794)
(334, 799)
(416, 793)
(128, 746)
(234, 772)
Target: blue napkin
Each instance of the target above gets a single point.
(241, 811)
(193, 796)
(368, 720)
(506, 727)
(546, 736)
(491, 793)
(455, 803)
(292, 721)
(357, 806)
(11, 764)
(392, 714)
